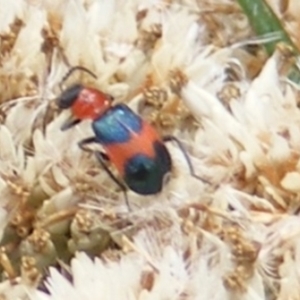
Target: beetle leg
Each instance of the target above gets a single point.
(50, 109)
(103, 158)
(69, 123)
(171, 138)
(82, 144)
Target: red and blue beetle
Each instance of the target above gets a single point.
(131, 144)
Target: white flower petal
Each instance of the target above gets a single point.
(291, 182)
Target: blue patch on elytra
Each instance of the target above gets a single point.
(116, 125)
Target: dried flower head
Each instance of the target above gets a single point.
(195, 71)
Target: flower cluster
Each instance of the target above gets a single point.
(188, 68)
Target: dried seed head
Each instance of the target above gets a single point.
(229, 92)
(29, 271)
(8, 39)
(51, 40)
(148, 38)
(235, 282)
(39, 240)
(84, 221)
(177, 79)
(155, 96)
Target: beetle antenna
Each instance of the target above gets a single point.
(72, 70)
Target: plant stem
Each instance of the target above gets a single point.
(264, 21)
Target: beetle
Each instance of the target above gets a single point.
(130, 143)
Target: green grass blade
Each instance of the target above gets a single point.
(264, 22)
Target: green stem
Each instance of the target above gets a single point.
(264, 21)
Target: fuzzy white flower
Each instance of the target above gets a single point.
(156, 274)
(182, 66)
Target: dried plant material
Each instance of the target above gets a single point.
(264, 21)
(195, 70)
